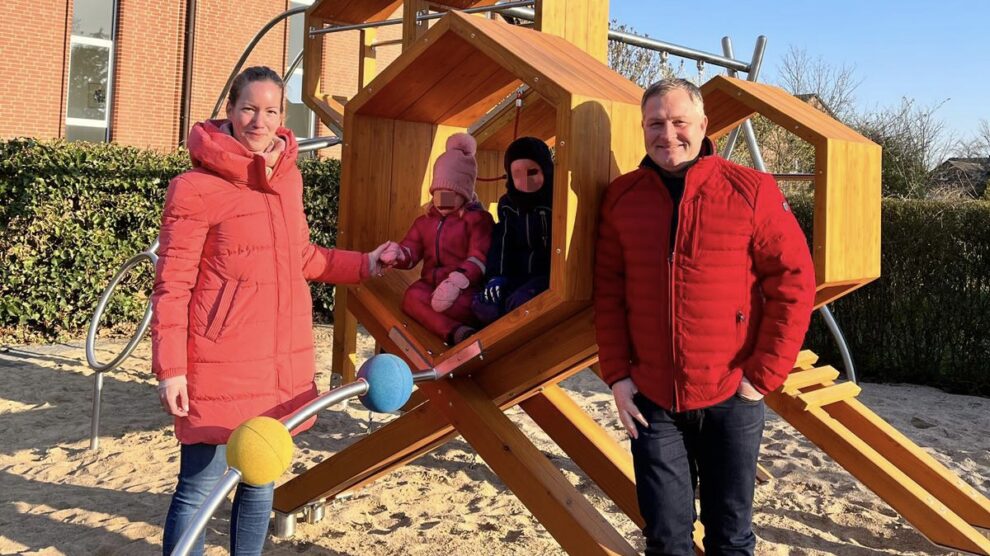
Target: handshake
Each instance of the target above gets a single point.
(383, 258)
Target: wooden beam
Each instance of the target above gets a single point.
(367, 63)
(344, 348)
(556, 503)
(588, 445)
(412, 29)
(928, 515)
(804, 378)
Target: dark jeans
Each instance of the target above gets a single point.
(488, 313)
(200, 468)
(714, 449)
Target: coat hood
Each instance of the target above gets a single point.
(216, 151)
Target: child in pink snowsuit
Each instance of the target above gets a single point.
(452, 240)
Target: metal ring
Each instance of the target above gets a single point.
(102, 305)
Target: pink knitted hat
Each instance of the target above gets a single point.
(456, 169)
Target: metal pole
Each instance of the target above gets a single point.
(747, 126)
(292, 67)
(840, 340)
(247, 52)
(357, 388)
(94, 432)
(730, 143)
(645, 42)
(205, 512)
(424, 17)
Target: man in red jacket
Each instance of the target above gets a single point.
(704, 288)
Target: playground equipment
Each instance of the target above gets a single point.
(260, 450)
(455, 76)
(448, 79)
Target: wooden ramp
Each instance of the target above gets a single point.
(932, 498)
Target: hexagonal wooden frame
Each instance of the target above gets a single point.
(846, 236)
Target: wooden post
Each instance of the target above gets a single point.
(582, 22)
(367, 63)
(411, 28)
(344, 338)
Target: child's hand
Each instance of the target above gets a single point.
(375, 259)
(447, 292)
(392, 255)
(493, 290)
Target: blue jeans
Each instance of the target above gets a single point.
(200, 468)
(715, 449)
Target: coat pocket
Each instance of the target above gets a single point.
(219, 316)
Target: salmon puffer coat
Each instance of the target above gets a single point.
(232, 307)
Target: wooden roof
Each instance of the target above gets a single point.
(729, 101)
(465, 65)
(347, 12)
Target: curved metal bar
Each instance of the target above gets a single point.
(142, 329)
(357, 388)
(840, 340)
(292, 67)
(247, 52)
(226, 484)
(233, 476)
(101, 306)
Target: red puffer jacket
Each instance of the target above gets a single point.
(459, 240)
(742, 291)
(232, 307)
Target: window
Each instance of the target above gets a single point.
(298, 117)
(90, 70)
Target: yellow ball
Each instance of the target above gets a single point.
(261, 449)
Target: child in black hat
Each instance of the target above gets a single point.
(519, 258)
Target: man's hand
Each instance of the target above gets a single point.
(174, 396)
(623, 392)
(748, 392)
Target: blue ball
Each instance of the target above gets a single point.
(390, 383)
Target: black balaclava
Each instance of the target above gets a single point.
(530, 148)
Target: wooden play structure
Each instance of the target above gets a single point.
(455, 76)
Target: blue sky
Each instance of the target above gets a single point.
(926, 50)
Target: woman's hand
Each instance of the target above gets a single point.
(174, 396)
(623, 392)
(376, 260)
(392, 255)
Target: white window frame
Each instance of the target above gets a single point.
(102, 43)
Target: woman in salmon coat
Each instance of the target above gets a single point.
(232, 331)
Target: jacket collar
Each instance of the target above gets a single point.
(697, 172)
(215, 150)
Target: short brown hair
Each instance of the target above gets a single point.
(664, 86)
(250, 75)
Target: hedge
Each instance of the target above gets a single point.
(926, 320)
(74, 212)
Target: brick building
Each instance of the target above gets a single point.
(140, 73)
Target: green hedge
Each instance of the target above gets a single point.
(926, 320)
(73, 212)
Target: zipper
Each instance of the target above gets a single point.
(529, 263)
(436, 267)
(673, 335)
(271, 227)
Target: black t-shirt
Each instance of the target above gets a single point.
(675, 186)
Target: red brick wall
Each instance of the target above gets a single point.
(148, 65)
(33, 54)
(147, 91)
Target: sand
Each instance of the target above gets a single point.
(58, 497)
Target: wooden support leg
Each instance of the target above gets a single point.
(344, 338)
(566, 514)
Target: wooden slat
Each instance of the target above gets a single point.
(829, 395)
(566, 514)
(365, 183)
(537, 118)
(928, 515)
(806, 359)
(583, 23)
(802, 379)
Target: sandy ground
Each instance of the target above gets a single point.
(57, 497)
